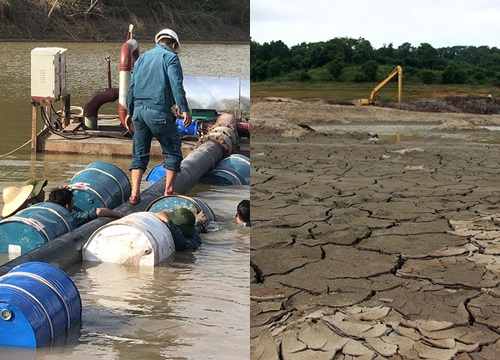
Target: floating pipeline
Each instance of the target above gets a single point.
(210, 150)
(233, 170)
(100, 184)
(141, 239)
(224, 133)
(38, 301)
(65, 250)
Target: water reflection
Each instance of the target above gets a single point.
(129, 306)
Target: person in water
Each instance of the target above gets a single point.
(185, 227)
(15, 199)
(38, 193)
(242, 215)
(64, 197)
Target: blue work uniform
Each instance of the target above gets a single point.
(183, 242)
(155, 87)
(82, 217)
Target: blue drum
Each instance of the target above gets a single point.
(186, 130)
(233, 170)
(171, 202)
(100, 184)
(156, 173)
(33, 227)
(38, 301)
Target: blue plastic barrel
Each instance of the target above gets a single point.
(171, 202)
(34, 226)
(100, 184)
(38, 301)
(189, 130)
(233, 170)
(156, 173)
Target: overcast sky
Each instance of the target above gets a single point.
(441, 23)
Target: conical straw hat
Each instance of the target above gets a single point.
(14, 198)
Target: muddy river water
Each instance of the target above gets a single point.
(194, 306)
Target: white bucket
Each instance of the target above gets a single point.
(137, 239)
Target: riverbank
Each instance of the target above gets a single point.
(98, 21)
(363, 246)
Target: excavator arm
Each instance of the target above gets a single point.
(397, 71)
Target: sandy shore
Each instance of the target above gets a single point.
(372, 248)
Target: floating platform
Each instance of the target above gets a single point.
(109, 139)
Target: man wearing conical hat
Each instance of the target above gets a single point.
(15, 199)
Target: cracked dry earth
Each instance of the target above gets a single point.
(373, 249)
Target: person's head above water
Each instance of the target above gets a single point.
(243, 212)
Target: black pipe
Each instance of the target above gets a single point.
(198, 163)
(66, 250)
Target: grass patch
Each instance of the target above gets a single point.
(355, 91)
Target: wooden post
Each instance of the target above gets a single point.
(34, 120)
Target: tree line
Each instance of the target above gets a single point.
(355, 60)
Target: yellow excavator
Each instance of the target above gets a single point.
(397, 71)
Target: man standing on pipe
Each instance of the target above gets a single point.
(155, 87)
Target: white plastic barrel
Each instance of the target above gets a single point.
(139, 239)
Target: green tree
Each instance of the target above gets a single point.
(297, 54)
(275, 49)
(363, 51)
(258, 71)
(255, 50)
(491, 62)
(427, 76)
(385, 54)
(275, 68)
(426, 55)
(370, 69)
(360, 77)
(406, 55)
(480, 76)
(301, 76)
(335, 68)
(453, 75)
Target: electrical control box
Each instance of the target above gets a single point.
(48, 73)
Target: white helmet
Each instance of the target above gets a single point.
(167, 33)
